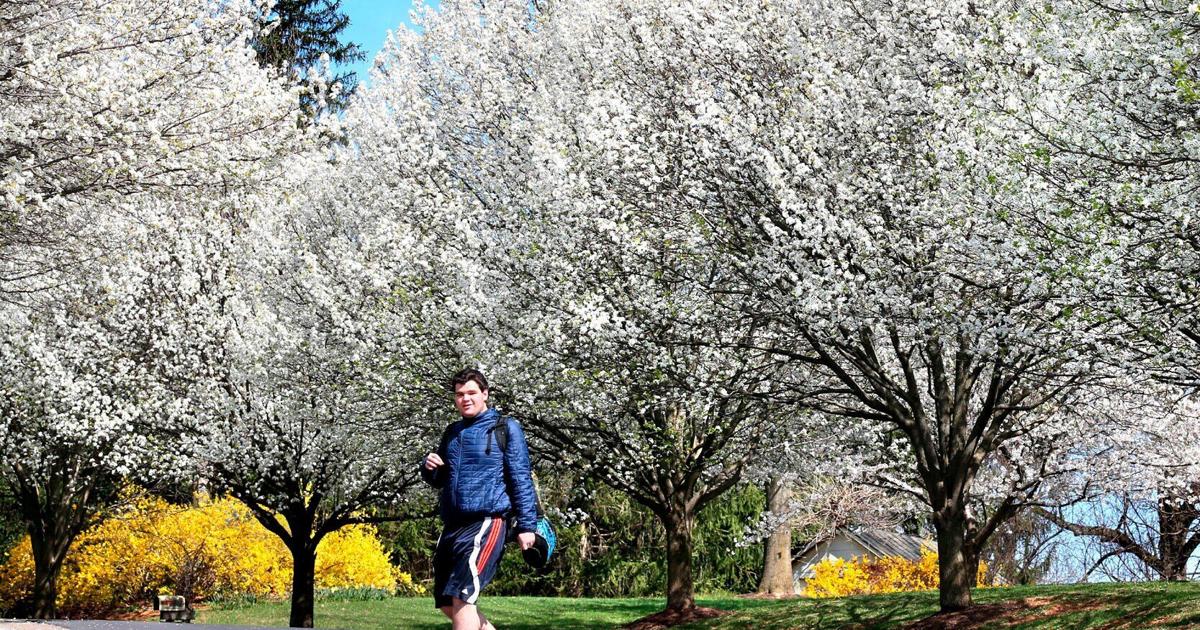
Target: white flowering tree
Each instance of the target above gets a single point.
(324, 404)
(1117, 141)
(669, 197)
(1114, 140)
(1137, 489)
(98, 383)
(631, 392)
(62, 426)
(881, 216)
(589, 274)
(107, 101)
(131, 134)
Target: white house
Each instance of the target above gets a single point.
(846, 544)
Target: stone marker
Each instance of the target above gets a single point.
(173, 608)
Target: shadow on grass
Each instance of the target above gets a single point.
(859, 613)
(1128, 606)
(871, 613)
(1107, 606)
(603, 614)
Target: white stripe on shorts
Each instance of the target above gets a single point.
(471, 597)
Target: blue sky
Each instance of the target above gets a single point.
(370, 20)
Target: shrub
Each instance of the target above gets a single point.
(617, 551)
(215, 548)
(835, 577)
(16, 575)
(353, 558)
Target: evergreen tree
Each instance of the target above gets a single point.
(296, 33)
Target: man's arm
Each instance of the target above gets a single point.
(518, 478)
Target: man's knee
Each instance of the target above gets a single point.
(465, 616)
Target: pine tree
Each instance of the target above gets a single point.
(296, 33)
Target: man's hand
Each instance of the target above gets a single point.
(432, 461)
(526, 539)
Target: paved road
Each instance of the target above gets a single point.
(12, 624)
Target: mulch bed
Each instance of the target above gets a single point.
(1015, 611)
(972, 617)
(668, 618)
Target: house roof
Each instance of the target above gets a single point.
(887, 543)
(879, 542)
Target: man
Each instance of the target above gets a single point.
(480, 486)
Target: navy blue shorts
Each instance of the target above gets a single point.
(466, 559)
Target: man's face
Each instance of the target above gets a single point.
(469, 399)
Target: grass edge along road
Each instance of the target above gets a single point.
(1111, 606)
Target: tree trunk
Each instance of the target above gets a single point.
(304, 565)
(777, 551)
(1173, 563)
(1176, 570)
(681, 593)
(1176, 516)
(48, 558)
(957, 563)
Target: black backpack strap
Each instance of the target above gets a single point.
(501, 433)
(498, 432)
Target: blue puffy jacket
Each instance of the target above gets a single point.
(478, 480)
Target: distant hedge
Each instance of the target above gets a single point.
(615, 551)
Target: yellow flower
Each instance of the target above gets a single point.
(835, 577)
(154, 548)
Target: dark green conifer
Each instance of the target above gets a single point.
(295, 35)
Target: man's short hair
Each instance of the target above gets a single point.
(466, 376)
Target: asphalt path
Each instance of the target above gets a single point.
(16, 624)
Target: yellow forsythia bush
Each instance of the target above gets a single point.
(835, 577)
(217, 547)
(353, 557)
(16, 574)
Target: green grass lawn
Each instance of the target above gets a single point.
(509, 613)
(1108, 606)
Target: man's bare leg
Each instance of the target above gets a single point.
(466, 616)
